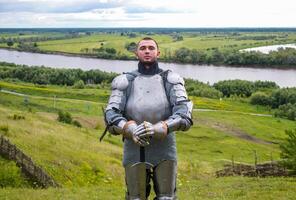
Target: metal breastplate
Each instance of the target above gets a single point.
(147, 100)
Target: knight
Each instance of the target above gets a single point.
(146, 107)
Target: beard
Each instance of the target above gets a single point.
(148, 63)
(149, 69)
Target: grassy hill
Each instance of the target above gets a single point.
(88, 169)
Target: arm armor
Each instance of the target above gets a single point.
(181, 118)
(117, 100)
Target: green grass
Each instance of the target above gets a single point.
(197, 41)
(60, 92)
(229, 104)
(203, 188)
(10, 175)
(88, 169)
(91, 98)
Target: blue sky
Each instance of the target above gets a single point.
(148, 13)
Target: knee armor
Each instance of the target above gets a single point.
(164, 179)
(136, 181)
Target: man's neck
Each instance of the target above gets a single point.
(148, 69)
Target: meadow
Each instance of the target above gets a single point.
(167, 43)
(219, 47)
(88, 169)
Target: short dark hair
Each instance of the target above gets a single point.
(147, 38)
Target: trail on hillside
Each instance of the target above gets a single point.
(232, 111)
(79, 100)
(228, 129)
(232, 131)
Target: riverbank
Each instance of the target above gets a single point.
(197, 48)
(205, 73)
(243, 58)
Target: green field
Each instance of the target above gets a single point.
(166, 42)
(199, 47)
(88, 169)
(195, 40)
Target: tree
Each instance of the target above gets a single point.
(131, 46)
(235, 87)
(110, 50)
(79, 84)
(260, 98)
(288, 151)
(182, 55)
(10, 43)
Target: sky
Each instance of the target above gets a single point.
(147, 13)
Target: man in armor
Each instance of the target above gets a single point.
(146, 107)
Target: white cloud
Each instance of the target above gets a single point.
(152, 13)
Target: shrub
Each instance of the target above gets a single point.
(64, 117)
(288, 151)
(283, 96)
(79, 84)
(265, 85)
(10, 175)
(76, 123)
(260, 98)
(235, 87)
(286, 111)
(196, 88)
(18, 117)
(4, 129)
(132, 47)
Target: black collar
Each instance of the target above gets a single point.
(153, 69)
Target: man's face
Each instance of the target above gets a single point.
(147, 51)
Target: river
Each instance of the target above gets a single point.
(205, 73)
(268, 49)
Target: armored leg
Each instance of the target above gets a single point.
(135, 177)
(164, 180)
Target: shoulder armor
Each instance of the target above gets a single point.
(120, 82)
(131, 75)
(174, 78)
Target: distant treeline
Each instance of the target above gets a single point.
(144, 30)
(281, 58)
(37, 38)
(46, 75)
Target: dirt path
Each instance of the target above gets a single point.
(231, 111)
(232, 131)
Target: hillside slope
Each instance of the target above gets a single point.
(88, 169)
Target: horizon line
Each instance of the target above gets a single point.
(228, 27)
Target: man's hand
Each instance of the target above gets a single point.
(129, 131)
(147, 130)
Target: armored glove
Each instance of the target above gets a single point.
(129, 132)
(148, 130)
(179, 123)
